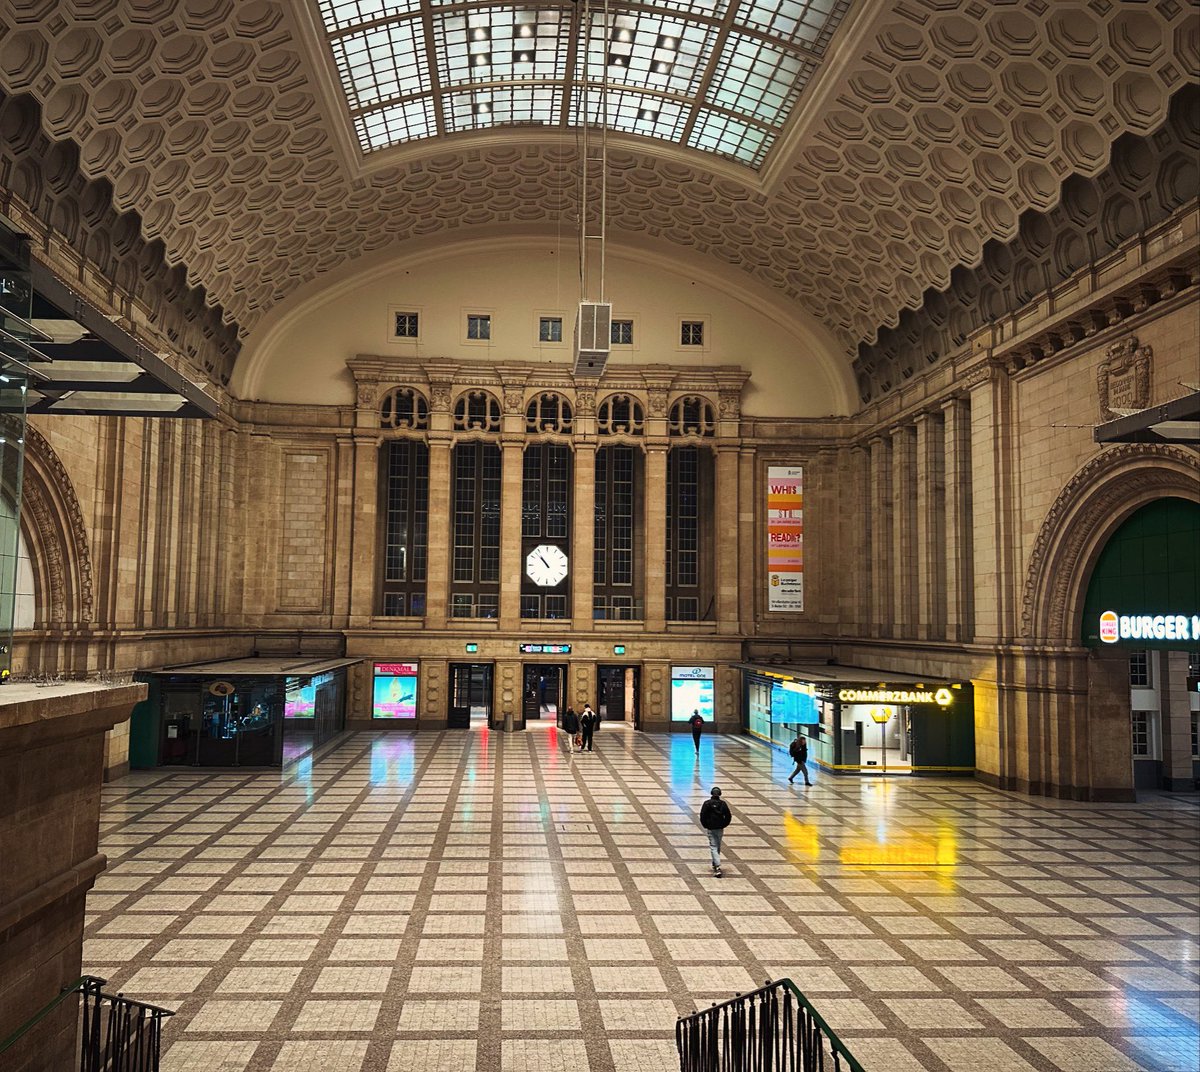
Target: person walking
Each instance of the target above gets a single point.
(697, 724)
(587, 725)
(714, 817)
(798, 750)
(571, 728)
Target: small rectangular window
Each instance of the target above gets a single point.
(691, 333)
(1194, 664)
(622, 333)
(550, 329)
(1141, 734)
(393, 604)
(407, 325)
(1196, 735)
(556, 607)
(531, 606)
(479, 326)
(1139, 670)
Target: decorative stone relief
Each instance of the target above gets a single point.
(1123, 378)
(1100, 491)
(656, 401)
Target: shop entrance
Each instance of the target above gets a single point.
(470, 695)
(878, 737)
(619, 696)
(543, 691)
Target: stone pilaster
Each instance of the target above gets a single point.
(366, 529)
(583, 535)
(930, 527)
(992, 537)
(656, 536)
(728, 550)
(752, 547)
(441, 530)
(881, 536)
(512, 462)
(904, 531)
(956, 461)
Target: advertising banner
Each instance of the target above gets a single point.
(785, 538)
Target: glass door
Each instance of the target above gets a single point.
(470, 695)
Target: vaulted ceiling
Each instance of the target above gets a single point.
(919, 131)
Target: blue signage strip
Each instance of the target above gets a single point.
(544, 649)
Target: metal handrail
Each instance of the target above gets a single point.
(756, 1031)
(118, 1033)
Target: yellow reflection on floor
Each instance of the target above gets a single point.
(904, 850)
(802, 838)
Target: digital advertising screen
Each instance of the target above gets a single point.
(301, 702)
(794, 705)
(395, 694)
(691, 690)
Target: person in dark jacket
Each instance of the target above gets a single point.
(587, 726)
(798, 750)
(570, 726)
(697, 724)
(714, 817)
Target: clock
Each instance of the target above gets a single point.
(546, 565)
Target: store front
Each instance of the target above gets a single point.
(860, 722)
(257, 712)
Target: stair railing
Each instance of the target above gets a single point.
(117, 1034)
(772, 1029)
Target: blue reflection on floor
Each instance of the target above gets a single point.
(392, 761)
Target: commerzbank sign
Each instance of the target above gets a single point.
(1116, 627)
(941, 697)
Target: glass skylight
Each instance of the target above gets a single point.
(721, 76)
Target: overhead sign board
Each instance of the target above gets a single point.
(544, 649)
(943, 697)
(1148, 628)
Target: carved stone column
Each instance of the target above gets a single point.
(751, 549)
(366, 529)
(930, 528)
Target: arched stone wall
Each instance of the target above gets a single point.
(53, 526)
(1089, 509)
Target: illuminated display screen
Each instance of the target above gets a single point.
(691, 690)
(395, 693)
(545, 649)
(793, 705)
(301, 700)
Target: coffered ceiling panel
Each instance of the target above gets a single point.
(927, 129)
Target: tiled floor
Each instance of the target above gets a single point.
(467, 900)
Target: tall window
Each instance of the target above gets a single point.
(545, 531)
(1139, 670)
(404, 491)
(616, 591)
(1142, 728)
(475, 574)
(689, 543)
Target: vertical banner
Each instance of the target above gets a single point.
(785, 538)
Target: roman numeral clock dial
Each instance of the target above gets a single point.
(546, 565)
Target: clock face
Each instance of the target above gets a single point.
(546, 565)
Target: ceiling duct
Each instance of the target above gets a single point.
(593, 338)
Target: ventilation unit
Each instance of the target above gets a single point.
(593, 338)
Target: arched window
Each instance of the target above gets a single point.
(548, 412)
(620, 415)
(404, 409)
(692, 415)
(476, 411)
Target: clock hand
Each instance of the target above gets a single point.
(543, 558)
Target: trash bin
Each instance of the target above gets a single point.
(508, 721)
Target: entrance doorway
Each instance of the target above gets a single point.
(544, 687)
(619, 698)
(470, 695)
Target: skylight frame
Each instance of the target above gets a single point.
(718, 76)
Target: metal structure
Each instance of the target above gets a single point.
(772, 1029)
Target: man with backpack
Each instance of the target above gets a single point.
(587, 726)
(714, 817)
(697, 724)
(798, 750)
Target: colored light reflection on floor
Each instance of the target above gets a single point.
(802, 838)
(901, 850)
(392, 762)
